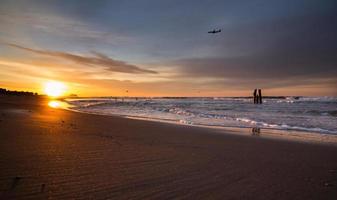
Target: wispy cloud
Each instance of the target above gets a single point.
(96, 59)
(58, 25)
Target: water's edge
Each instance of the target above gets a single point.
(267, 133)
(282, 114)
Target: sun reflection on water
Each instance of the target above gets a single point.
(58, 104)
(54, 104)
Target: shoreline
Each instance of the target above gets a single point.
(270, 133)
(60, 154)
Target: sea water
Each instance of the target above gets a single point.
(313, 114)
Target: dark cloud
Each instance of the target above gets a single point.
(97, 59)
(291, 48)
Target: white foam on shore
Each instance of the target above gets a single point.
(304, 115)
(285, 134)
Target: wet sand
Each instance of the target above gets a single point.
(59, 154)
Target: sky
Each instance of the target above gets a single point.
(162, 48)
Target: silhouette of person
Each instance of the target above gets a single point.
(260, 96)
(255, 97)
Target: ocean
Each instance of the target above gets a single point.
(312, 114)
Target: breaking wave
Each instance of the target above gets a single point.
(314, 114)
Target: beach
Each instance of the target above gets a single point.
(61, 154)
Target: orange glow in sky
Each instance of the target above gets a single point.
(51, 48)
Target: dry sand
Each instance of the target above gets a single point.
(58, 154)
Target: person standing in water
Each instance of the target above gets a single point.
(260, 97)
(255, 96)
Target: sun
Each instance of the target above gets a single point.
(54, 88)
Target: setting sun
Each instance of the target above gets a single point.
(54, 89)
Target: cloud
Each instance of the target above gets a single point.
(96, 59)
(257, 67)
(297, 49)
(57, 25)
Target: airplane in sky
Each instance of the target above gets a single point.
(215, 31)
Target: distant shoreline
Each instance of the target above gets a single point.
(6, 92)
(140, 97)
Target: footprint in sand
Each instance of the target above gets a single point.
(15, 182)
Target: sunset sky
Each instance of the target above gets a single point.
(162, 48)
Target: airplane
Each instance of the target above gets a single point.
(214, 31)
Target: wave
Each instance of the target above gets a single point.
(322, 113)
(284, 126)
(314, 114)
(318, 99)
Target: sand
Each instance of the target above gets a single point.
(59, 154)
